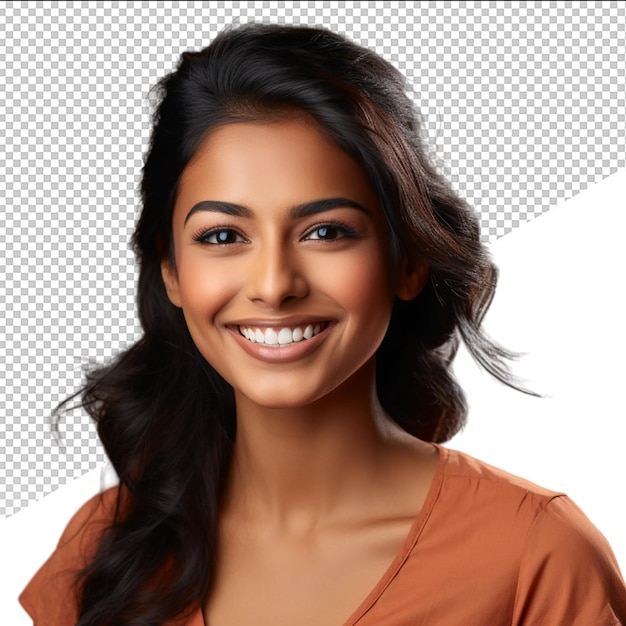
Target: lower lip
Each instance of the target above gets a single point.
(281, 354)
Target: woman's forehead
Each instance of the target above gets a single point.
(282, 161)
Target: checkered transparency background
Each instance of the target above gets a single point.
(524, 104)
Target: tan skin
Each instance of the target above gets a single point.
(323, 488)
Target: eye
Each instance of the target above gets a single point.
(219, 236)
(330, 232)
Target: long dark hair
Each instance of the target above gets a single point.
(165, 417)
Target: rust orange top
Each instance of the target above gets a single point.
(487, 549)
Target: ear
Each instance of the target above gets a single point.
(170, 280)
(411, 279)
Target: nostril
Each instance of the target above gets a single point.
(276, 283)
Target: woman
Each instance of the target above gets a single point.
(305, 276)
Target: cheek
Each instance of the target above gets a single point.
(203, 289)
(363, 285)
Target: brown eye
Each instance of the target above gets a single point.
(326, 232)
(220, 236)
(330, 232)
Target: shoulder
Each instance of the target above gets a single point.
(463, 467)
(560, 566)
(86, 525)
(50, 596)
(568, 571)
(489, 494)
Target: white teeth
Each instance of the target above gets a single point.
(282, 337)
(271, 338)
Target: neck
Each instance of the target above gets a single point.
(300, 467)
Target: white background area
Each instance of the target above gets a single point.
(560, 300)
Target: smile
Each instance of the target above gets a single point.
(281, 336)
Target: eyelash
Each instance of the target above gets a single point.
(344, 231)
(203, 236)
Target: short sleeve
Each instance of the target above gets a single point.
(568, 573)
(50, 597)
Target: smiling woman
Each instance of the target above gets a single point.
(290, 240)
(305, 278)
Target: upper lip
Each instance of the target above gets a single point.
(290, 321)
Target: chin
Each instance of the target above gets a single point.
(277, 398)
(282, 401)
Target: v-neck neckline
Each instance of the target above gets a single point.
(407, 547)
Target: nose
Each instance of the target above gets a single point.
(275, 277)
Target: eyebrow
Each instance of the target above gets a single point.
(301, 210)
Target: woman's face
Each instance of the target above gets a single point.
(282, 262)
